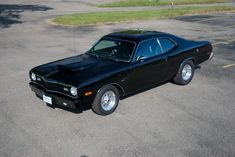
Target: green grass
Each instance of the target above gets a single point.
(131, 3)
(80, 19)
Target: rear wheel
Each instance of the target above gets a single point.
(185, 73)
(106, 100)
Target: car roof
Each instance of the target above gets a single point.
(135, 35)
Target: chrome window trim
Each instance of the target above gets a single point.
(175, 44)
(160, 45)
(133, 60)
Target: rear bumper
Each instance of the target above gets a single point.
(56, 100)
(211, 55)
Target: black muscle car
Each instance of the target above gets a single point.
(118, 65)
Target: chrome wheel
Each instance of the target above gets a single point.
(186, 72)
(108, 100)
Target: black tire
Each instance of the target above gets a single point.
(96, 105)
(178, 79)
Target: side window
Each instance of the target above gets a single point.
(148, 48)
(166, 44)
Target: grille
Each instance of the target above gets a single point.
(54, 86)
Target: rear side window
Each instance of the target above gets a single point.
(166, 44)
(148, 48)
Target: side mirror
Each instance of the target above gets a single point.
(140, 58)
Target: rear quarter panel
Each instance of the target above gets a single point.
(198, 51)
(203, 51)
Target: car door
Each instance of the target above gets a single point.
(149, 65)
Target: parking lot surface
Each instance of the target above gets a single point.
(193, 121)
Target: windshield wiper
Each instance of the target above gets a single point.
(93, 54)
(105, 57)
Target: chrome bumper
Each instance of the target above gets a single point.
(211, 55)
(56, 99)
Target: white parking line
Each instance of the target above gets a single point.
(231, 26)
(213, 18)
(204, 20)
(223, 42)
(228, 65)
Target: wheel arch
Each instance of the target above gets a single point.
(118, 86)
(181, 63)
(188, 59)
(120, 89)
(178, 77)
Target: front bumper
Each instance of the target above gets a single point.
(56, 99)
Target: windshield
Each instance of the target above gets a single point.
(113, 49)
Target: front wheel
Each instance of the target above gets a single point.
(185, 73)
(106, 100)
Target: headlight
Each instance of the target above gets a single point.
(73, 91)
(33, 76)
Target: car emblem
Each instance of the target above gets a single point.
(66, 89)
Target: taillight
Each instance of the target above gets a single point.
(209, 50)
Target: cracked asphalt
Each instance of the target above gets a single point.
(197, 120)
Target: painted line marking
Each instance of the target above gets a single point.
(228, 65)
(209, 19)
(232, 26)
(214, 18)
(223, 42)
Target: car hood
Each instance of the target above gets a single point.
(78, 69)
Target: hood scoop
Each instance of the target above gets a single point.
(75, 67)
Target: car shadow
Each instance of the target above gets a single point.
(88, 107)
(10, 13)
(78, 110)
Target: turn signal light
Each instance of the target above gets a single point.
(88, 93)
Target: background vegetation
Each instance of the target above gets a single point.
(79, 19)
(130, 3)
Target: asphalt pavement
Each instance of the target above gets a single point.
(182, 121)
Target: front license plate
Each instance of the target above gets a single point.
(47, 99)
